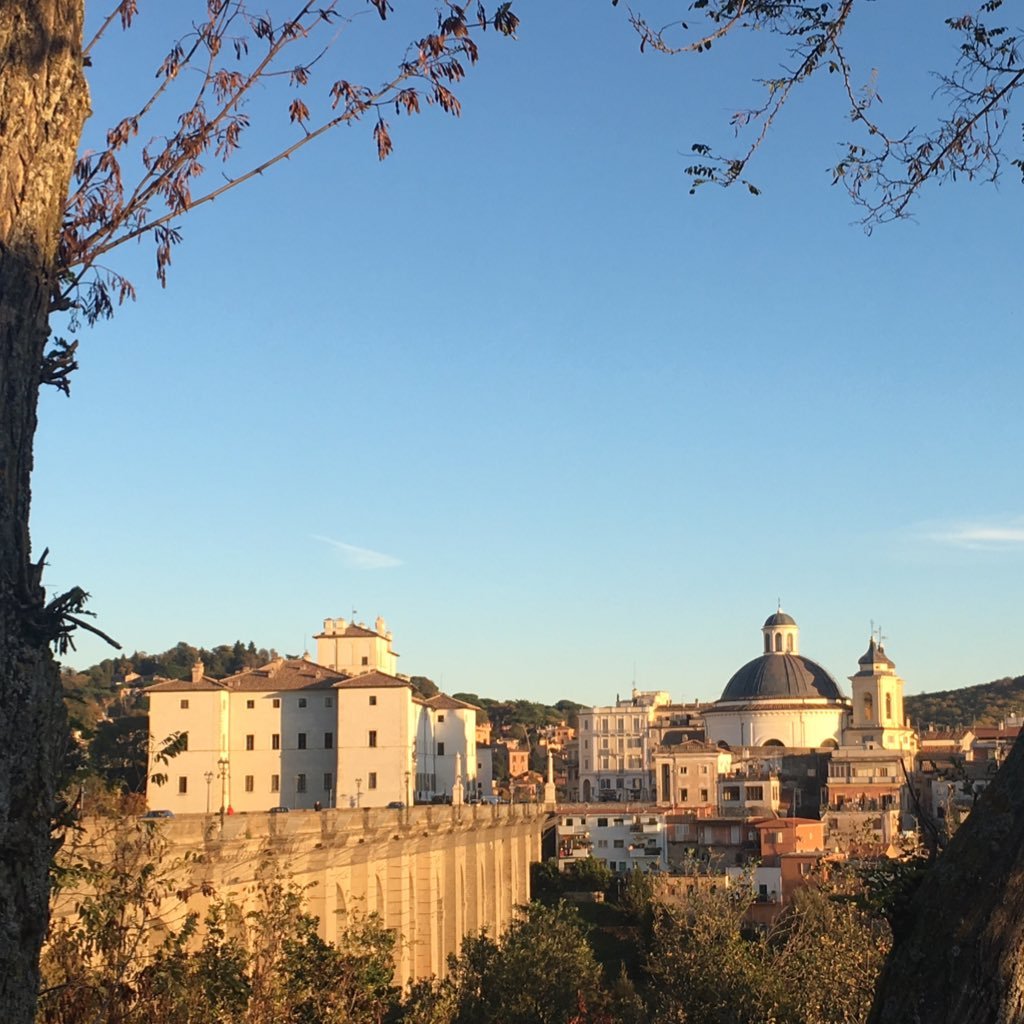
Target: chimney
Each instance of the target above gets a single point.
(198, 668)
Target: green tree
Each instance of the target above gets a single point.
(118, 751)
(701, 968)
(541, 971)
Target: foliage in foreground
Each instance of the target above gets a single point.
(818, 964)
(136, 949)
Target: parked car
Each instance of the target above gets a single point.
(158, 814)
(278, 810)
(396, 805)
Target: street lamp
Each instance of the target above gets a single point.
(359, 791)
(406, 798)
(209, 779)
(222, 772)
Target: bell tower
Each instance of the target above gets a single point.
(878, 719)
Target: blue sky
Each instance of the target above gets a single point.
(561, 423)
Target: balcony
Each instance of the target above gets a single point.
(644, 852)
(574, 847)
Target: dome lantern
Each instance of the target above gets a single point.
(781, 634)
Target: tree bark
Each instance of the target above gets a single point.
(962, 958)
(43, 105)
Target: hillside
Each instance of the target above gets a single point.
(984, 704)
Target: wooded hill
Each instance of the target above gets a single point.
(984, 704)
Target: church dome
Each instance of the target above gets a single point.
(780, 618)
(774, 676)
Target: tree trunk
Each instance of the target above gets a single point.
(962, 958)
(43, 105)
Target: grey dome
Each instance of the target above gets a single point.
(781, 675)
(780, 618)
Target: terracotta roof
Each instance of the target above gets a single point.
(442, 701)
(775, 823)
(184, 685)
(368, 680)
(284, 674)
(985, 732)
(688, 745)
(280, 674)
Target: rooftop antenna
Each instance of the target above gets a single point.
(778, 606)
(872, 629)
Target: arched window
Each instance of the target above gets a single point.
(767, 643)
(888, 706)
(778, 642)
(789, 643)
(869, 707)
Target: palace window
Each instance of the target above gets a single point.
(250, 704)
(372, 738)
(275, 741)
(371, 780)
(302, 741)
(250, 783)
(328, 782)
(182, 784)
(328, 740)
(250, 742)
(275, 783)
(300, 783)
(276, 702)
(184, 704)
(302, 702)
(373, 700)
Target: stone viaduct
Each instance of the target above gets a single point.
(433, 874)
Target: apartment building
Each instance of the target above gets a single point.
(614, 748)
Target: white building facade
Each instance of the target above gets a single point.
(615, 747)
(300, 735)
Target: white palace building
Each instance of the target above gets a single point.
(344, 731)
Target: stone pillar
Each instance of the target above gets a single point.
(549, 786)
(457, 787)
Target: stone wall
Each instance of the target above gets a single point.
(433, 874)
